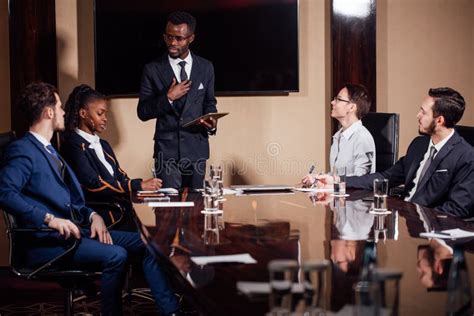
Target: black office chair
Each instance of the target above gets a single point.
(5, 140)
(70, 279)
(466, 132)
(384, 128)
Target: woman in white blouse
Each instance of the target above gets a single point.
(353, 146)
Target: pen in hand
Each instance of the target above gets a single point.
(310, 172)
(440, 233)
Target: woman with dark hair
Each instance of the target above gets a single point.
(91, 157)
(353, 146)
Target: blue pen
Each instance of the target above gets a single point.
(311, 169)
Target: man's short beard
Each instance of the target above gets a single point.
(430, 130)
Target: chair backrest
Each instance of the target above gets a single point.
(5, 140)
(10, 223)
(466, 132)
(384, 128)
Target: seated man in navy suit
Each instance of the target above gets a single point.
(40, 190)
(438, 168)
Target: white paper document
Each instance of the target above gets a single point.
(237, 258)
(170, 204)
(263, 287)
(448, 234)
(162, 190)
(230, 191)
(314, 190)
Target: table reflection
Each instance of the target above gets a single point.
(306, 227)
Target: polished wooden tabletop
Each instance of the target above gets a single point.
(303, 227)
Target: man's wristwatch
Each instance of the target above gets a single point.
(48, 218)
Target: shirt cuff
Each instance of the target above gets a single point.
(212, 131)
(90, 216)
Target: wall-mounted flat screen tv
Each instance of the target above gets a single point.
(253, 44)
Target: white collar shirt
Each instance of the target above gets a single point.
(95, 144)
(174, 62)
(42, 140)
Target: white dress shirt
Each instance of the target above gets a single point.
(354, 149)
(438, 147)
(42, 140)
(95, 144)
(174, 62)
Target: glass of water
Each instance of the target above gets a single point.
(339, 175)
(380, 195)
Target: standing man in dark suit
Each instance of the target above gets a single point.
(175, 89)
(438, 169)
(40, 190)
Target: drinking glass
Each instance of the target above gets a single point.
(339, 175)
(380, 195)
(216, 174)
(314, 286)
(282, 275)
(211, 203)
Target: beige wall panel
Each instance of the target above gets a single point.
(423, 44)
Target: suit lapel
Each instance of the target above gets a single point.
(92, 155)
(51, 160)
(439, 157)
(196, 79)
(166, 74)
(416, 163)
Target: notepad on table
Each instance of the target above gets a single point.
(170, 204)
(448, 234)
(237, 258)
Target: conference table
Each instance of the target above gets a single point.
(307, 227)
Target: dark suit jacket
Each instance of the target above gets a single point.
(31, 186)
(172, 141)
(97, 182)
(448, 184)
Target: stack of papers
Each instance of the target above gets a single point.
(448, 234)
(237, 258)
(314, 190)
(250, 288)
(157, 192)
(170, 204)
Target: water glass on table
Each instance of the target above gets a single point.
(339, 175)
(380, 195)
(216, 174)
(283, 274)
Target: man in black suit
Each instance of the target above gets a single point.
(175, 89)
(438, 168)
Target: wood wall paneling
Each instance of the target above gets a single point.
(32, 50)
(353, 32)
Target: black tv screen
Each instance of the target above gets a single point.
(253, 44)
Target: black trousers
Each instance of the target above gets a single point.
(181, 174)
